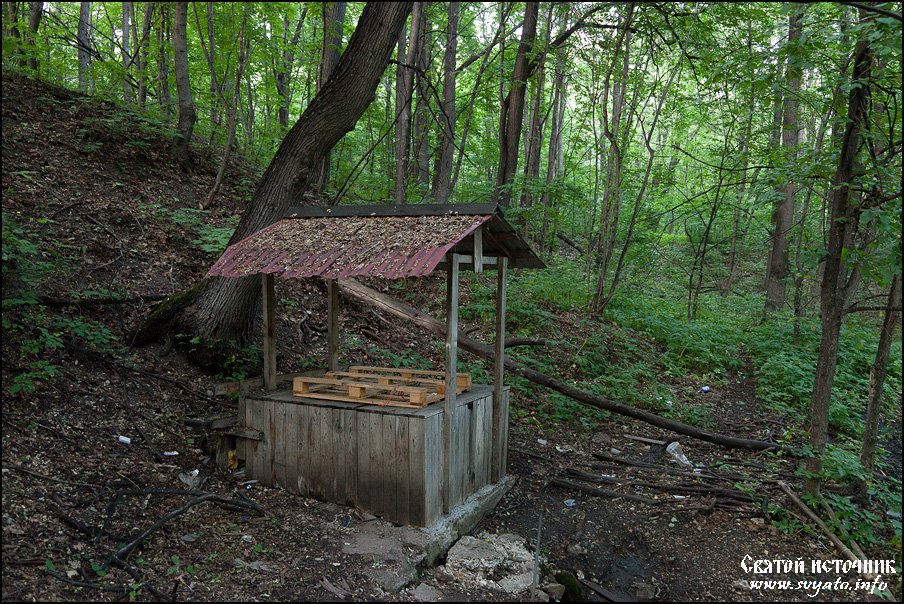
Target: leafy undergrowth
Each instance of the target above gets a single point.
(93, 209)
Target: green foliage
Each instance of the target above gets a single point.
(210, 239)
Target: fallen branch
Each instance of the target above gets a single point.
(822, 525)
(123, 553)
(358, 292)
(512, 342)
(576, 486)
(666, 488)
(570, 243)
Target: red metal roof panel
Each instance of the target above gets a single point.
(341, 247)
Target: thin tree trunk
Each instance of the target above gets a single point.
(142, 53)
(534, 137)
(126, 51)
(442, 181)
(333, 22)
(163, 43)
(421, 112)
(404, 92)
(555, 136)
(611, 202)
(843, 218)
(211, 54)
(283, 71)
(783, 214)
(231, 110)
(84, 57)
(512, 110)
(186, 106)
(877, 382)
(35, 12)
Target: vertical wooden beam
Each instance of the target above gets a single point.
(478, 250)
(499, 447)
(332, 343)
(269, 333)
(451, 373)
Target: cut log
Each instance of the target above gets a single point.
(362, 294)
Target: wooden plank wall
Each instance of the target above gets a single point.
(388, 461)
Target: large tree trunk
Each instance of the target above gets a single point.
(187, 114)
(330, 50)
(442, 180)
(512, 110)
(84, 58)
(223, 314)
(843, 220)
(783, 215)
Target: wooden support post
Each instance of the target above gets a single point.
(478, 250)
(332, 342)
(451, 374)
(269, 333)
(500, 448)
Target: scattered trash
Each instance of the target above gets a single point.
(346, 521)
(247, 538)
(705, 389)
(741, 584)
(248, 484)
(615, 451)
(170, 453)
(124, 440)
(564, 449)
(193, 479)
(674, 449)
(570, 503)
(189, 537)
(542, 441)
(680, 496)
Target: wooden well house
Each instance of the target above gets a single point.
(403, 444)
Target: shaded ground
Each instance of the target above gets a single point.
(73, 495)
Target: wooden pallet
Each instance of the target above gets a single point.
(432, 384)
(402, 387)
(367, 393)
(463, 380)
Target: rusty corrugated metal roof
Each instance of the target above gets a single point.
(339, 247)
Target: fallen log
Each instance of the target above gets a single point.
(362, 294)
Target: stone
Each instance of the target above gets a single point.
(394, 576)
(493, 561)
(426, 593)
(555, 590)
